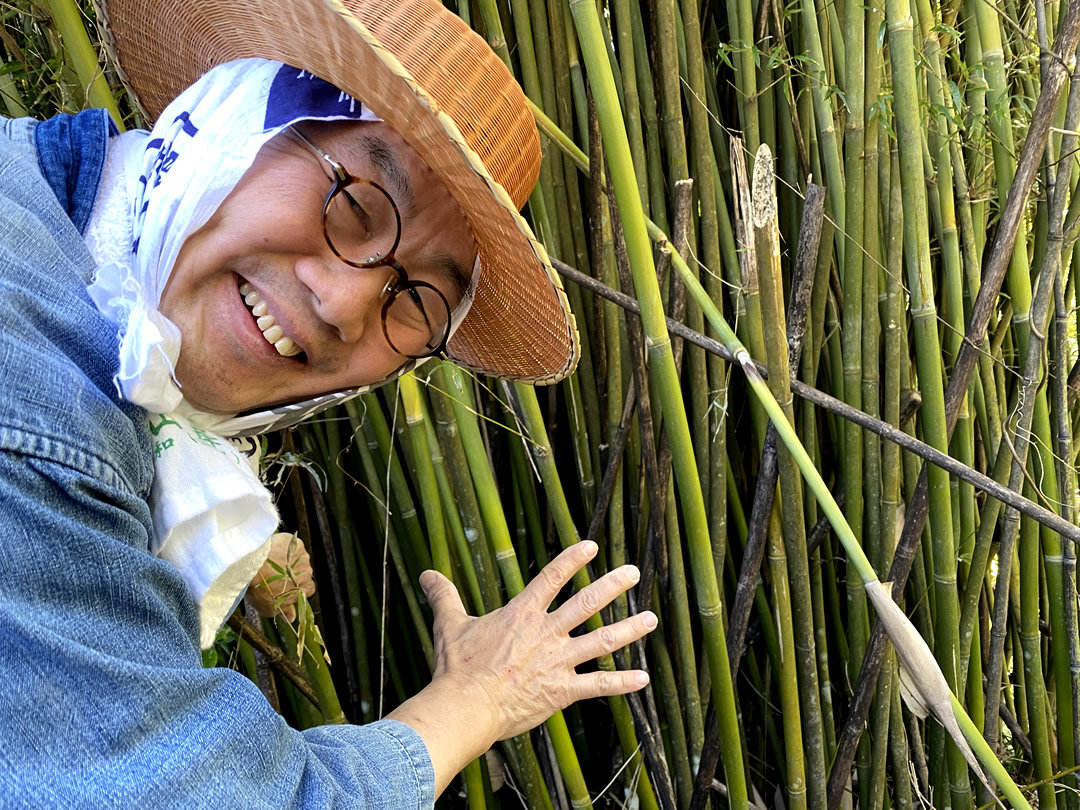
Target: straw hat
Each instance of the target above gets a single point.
(427, 74)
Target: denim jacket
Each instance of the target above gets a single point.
(103, 699)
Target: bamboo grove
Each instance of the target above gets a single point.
(823, 261)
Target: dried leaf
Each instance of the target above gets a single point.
(910, 692)
(920, 674)
(302, 623)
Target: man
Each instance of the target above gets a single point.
(216, 247)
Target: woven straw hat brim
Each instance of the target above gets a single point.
(427, 74)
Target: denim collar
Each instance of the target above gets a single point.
(71, 154)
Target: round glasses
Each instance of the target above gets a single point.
(362, 226)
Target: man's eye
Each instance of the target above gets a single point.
(361, 214)
(411, 310)
(361, 223)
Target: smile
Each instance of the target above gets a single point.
(267, 324)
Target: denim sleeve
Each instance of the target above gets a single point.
(104, 702)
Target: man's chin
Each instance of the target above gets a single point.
(219, 400)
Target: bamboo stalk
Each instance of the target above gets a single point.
(781, 365)
(990, 284)
(69, 23)
(982, 482)
(662, 373)
(832, 510)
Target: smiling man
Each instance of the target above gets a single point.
(328, 196)
(262, 279)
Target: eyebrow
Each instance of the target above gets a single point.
(383, 157)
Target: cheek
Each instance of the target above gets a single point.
(369, 364)
(269, 214)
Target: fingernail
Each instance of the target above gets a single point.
(633, 573)
(589, 547)
(642, 678)
(649, 619)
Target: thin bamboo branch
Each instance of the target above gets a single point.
(886, 431)
(278, 660)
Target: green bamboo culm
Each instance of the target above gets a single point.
(828, 503)
(662, 373)
(69, 22)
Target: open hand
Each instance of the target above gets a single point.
(517, 663)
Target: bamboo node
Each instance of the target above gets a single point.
(654, 343)
(709, 610)
(749, 367)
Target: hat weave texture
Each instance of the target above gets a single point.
(436, 82)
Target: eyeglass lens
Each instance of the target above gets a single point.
(361, 223)
(416, 320)
(363, 227)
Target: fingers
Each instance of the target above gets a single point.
(543, 589)
(285, 574)
(306, 583)
(603, 683)
(608, 639)
(595, 597)
(286, 548)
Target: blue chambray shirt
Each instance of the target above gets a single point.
(103, 699)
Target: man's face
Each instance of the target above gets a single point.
(268, 234)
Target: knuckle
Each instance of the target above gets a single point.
(608, 641)
(590, 600)
(603, 680)
(553, 575)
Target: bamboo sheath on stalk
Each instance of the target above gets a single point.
(942, 310)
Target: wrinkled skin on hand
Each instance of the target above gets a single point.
(518, 662)
(271, 591)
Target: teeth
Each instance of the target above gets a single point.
(267, 324)
(286, 347)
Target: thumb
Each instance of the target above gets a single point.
(441, 594)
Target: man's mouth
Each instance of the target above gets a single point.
(267, 324)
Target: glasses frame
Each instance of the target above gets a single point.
(400, 283)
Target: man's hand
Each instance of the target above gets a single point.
(502, 673)
(286, 573)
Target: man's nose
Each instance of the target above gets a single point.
(346, 299)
